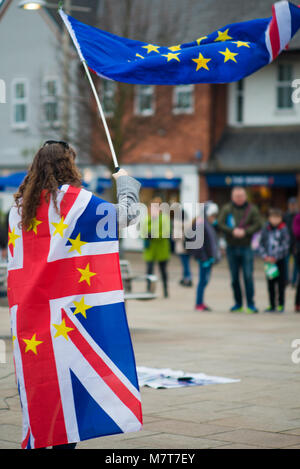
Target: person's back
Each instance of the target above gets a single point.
(66, 297)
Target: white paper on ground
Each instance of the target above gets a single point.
(163, 378)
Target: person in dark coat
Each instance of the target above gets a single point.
(206, 256)
(239, 220)
(274, 247)
(296, 232)
(289, 219)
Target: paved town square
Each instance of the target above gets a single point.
(260, 411)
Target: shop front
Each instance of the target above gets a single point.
(264, 189)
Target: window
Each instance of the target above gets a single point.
(50, 102)
(108, 89)
(239, 101)
(284, 86)
(183, 99)
(20, 103)
(144, 100)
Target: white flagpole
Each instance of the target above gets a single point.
(71, 32)
(102, 116)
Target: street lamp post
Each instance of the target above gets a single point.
(68, 7)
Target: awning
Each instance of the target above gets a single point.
(12, 181)
(253, 150)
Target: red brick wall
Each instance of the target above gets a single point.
(149, 138)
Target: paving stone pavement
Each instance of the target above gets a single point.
(260, 411)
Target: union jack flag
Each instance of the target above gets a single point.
(73, 355)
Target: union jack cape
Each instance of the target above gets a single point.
(73, 355)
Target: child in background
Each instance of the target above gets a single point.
(273, 248)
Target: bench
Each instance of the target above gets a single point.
(130, 279)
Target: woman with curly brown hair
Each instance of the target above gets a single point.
(73, 358)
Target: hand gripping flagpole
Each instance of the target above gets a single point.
(71, 32)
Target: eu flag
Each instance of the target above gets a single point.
(226, 55)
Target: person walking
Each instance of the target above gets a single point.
(296, 233)
(206, 255)
(239, 220)
(65, 297)
(155, 231)
(274, 246)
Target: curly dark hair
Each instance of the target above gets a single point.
(52, 166)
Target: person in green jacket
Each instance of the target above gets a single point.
(157, 247)
(239, 220)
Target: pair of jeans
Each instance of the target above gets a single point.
(185, 262)
(280, 282)
(204, 276)
(241, 258)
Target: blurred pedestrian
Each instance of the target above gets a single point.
(239, 220)
(206, 256)
(288, 219)
(273, 247)
(180, 225)
(296, 233)
(157, 247)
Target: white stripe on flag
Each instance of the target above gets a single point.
(71, 32)
(284, 22)
(268, 43)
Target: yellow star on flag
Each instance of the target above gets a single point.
(86, 274)
(62, 330)
(201, 62)
(60, 227)
(13, 339)
(140, 56)
(34, 224)
(241, 43)
(171, 56)
(175, 48)
(200, 39)
(12, 237)
(81, 307)
(31, 344)
(76, 244)
(223, 36)
(229, 55)
(151, 48)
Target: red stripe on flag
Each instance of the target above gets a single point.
(107, 278)
(68, 200)
(274, 34)
(108, 376)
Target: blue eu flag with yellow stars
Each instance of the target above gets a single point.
(229, 54)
